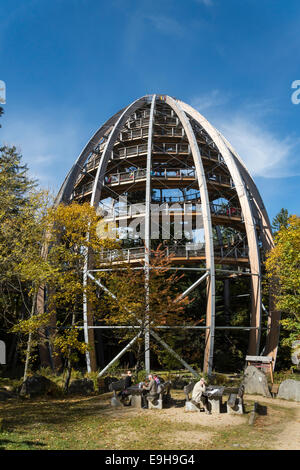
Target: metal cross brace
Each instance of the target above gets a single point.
(155, 335)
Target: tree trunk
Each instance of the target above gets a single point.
(69, 364)
(28, 352)
(138, 357)
(68, 377)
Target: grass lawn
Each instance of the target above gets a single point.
(91, 423)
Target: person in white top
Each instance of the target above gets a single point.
(197, 395)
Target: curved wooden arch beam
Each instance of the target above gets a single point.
(266, 231)
(69, 182)
(98, 183)
(245, 203)
(209, 246)
(148, 183)
(274, 316)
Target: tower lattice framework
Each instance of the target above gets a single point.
(167, 152)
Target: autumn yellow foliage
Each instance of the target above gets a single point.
(283, 271)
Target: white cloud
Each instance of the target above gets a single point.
(264, 151)
(49, 148)
(209, 100)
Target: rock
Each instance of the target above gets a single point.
(289, 390)
(5, 394)
(255, 382)
(82, 386)
(295, 357)
(37, 385)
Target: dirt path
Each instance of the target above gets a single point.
(286, 439)
(289, 438)
(92, 423)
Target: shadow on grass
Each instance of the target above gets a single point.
(262, 410)
(177, 403)
(51, 412)
(32, 444)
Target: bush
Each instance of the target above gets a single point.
(94, 377)
(141, 376)
(282, 375)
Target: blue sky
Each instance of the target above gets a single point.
(69, 65)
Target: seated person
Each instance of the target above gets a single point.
(151, 388)
(156, 378)
(197, 395)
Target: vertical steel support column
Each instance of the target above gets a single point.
(85, 312)
(209, 247)
(148, 233)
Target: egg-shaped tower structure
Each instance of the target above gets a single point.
(159, 152)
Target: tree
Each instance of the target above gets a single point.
(21, 231)
(282, 265)
(70, 232)
(280, 220)
(73, 237)
(28, 267)
(140, 301)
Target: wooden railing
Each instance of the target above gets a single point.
(186, 252)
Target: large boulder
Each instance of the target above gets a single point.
(255, 382)
(289, 390)
(37, 385)
(81, 387)
(5, 394)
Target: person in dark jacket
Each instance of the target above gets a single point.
(127, 383)
(128, 379)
